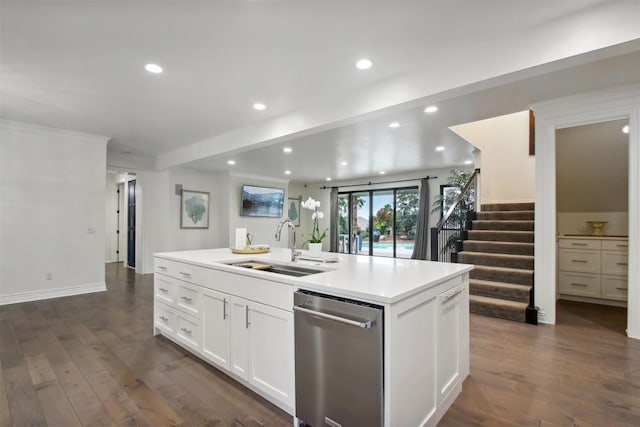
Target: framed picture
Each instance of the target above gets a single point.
(262, 201)
(194, 209)
(293, 211)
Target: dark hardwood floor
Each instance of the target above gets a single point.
(91, 360)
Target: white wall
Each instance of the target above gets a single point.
(507, 170)
(262, 228)
(52, 207)
(612, 104)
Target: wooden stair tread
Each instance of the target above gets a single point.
(515, 286)
(496, 255)
(496, 242)
(503, 269)
(498, 302)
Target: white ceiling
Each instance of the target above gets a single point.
(80, 65)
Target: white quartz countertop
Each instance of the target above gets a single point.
(374, 279)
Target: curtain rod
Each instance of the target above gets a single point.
(324, 187)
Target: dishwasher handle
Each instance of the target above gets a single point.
(364, 325)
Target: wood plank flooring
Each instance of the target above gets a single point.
(91, 360)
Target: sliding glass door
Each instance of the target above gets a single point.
(378, 222)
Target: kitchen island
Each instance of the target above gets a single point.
(241, 321)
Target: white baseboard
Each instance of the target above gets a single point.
(52, 293)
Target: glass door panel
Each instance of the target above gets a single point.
(383, 234)
(406, 221)
(360, 214)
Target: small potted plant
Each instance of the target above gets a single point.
(315, 238)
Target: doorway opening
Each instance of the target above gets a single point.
(592, 181)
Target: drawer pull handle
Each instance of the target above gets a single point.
(622, 289)
(579, 260)
(622, 246)
(163, 289)
(622, 263)
(185, 274)
(186, 331)
(162, 267)
(187, 299)
(579, 284)
(449, 297)
(164, 318)
(579, 244)
(224, 308)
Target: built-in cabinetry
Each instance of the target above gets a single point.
(242, 322)
(593, 267)
(242, 325)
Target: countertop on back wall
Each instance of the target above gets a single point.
(374, 279)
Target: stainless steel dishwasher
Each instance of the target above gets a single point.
(339, 361)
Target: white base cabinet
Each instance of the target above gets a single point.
(251, 341)
(427, 355)
(593, 269)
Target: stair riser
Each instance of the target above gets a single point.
(519, 278)
(503, 225)
(508, 207)
(500, 312)
(488, 236)
(506, 215)
(501, 261)
(495, 248)
(498, 292)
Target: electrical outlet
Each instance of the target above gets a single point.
(48, 276)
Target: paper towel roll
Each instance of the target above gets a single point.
(241, 238)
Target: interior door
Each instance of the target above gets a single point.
(131, 223)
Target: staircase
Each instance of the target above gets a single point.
(500, 245)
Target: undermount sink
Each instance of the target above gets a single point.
(286, 269)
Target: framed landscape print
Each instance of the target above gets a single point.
(262, 201)
(194, 209)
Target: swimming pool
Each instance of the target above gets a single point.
(378, 245)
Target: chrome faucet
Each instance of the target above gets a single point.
(294, 253)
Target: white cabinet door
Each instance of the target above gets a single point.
(449, 339)
(239, 337)
(271, 351)
(216, 327)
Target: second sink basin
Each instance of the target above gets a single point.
(286, 269)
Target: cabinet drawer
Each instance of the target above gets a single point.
(615, 263)
(188, 331)
(579, 261)
(165, 319)
(614, 287)
(181, 270)
(587, 285)
(188, 298)
(615, 245)
(579, 244)
(165, 289)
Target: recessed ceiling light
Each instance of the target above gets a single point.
(287, 172)
(431, 109)
(394, 125)
(382, 172)
(468, 162)
(328, 179)
(259, 106)
(364, 64)
(625, 129)
(287, 149)
(344, 163)
(153, 68)
(231, 162)
(439, 148)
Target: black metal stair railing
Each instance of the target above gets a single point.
(453, 226)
